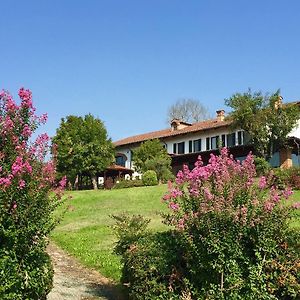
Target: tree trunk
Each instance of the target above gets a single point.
(94, 181)
(76, 182)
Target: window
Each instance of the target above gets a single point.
(120, 160)
(214, 142)
(190, 146)
(223, 140)
(207, 144)
(180, 148)
(174, 148)
(240, 137)
(197, 145)
(231, 139)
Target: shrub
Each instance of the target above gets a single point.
(237, 233)
(128, 184)
(232, 239)
(26, 206)
(287, 177)
(128, 230)
(261, 165)
(150, 260)
(149, 178)
(153, 267)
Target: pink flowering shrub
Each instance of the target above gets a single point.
(27, 202)
(236, 234)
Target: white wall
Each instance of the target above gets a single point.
(296, 131)
(177, 139)
(195, 136)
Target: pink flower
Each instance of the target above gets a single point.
(287, 193)
(26, 131)
(174, 206)
(296, 205)
(26, 97)
(262, 182)
(268, 207)
(21, 184)
(63, 182)
(181, 223)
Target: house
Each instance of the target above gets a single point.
(185, 142)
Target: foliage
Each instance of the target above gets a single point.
(262, 166)
(188, 110)
(287, 177)
(128, 184)
(83, 147)
(149, 178)
(231, 239)
(237, 233)
(151, 155)
(128, 229)
(153, 267)
(26, 201)
(264, 118)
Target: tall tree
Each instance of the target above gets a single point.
(83, 147)
(151, 155)
(188, 110)
(266, 119)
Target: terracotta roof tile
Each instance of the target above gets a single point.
(195, 127)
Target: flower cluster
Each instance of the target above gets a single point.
(223, 186)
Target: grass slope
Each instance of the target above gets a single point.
(85, 229)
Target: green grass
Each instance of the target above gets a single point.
(85, 230)
(296, 220)
(86, 233)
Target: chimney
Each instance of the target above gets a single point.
(220, 115)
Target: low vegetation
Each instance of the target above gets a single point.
(86, 230)
(230, 237)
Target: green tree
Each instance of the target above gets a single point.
(151, 155)
(264, 118)
(83, 148)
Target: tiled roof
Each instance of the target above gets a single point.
(165, 133)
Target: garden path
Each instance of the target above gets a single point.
(72, 281)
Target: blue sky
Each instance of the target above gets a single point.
(126, 62)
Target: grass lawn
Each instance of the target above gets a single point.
(85, 229)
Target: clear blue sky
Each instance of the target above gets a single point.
(126, 62)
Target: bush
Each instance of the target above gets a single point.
(150, 260)
(232, 239)
(26, 201)
(128, 230)
(236, 233)
(287, 177)
(128, 184)
(262, 166)
(149, 178)
(153, 267)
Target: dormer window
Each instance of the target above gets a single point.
(177, 124)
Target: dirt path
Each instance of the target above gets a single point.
(72, 281)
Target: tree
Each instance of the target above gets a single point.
(151, 155)
(188, 110)
(264, 118)
(83, 148)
